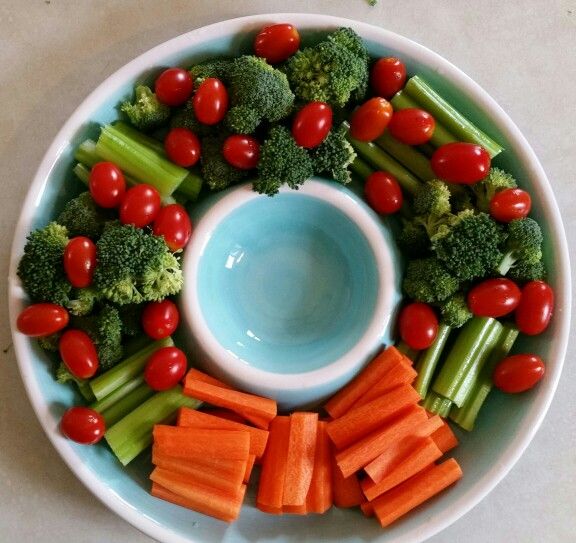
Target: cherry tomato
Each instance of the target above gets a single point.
(387, 76)
(383, 193)
(210, 101)
(182, 147)
(534, 312)
(79, 261)
(39, 320)
(165, 368)
(78, 353)
(370, 119)
(460, 162)
(518, 372)
(140, 205)
(277, 42)
(160, 319)
(174, 86)
(418, 325)
(510, 204)
(107, 184)
(242, 151)
(173, 223)
(83, 425)
(412, 126)
(312, 124)
(494, 298)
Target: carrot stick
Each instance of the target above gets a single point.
(301, 454)
(421, 457)
(249, 467)
(364, 381)
(395, 503)
(295, 509)
(358, 422)
(225, 414)
(196, 419)
(444, 437)
(347, 490)
(320, 494)
(210, 463)
(367, 509)
(203, 499)
(194, 373)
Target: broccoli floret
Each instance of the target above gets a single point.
(468, 245)
(63, 375)
(82, 301)
(523, 243)
(495, 181)
(82, 217)
(50, 343)
(242, 119)
(331, 71)
(41, 268)
(523, 271)
(454, 311)
(217, 67)
(413, 239)
(334, 155)
(146, 112)
(432, 199)
(135, 266)
(282, 160)
(186, 118)
(428, 280)
(216, 171)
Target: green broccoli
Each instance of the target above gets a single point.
(523, 243)
(41, 268)
(63, 375)
(146, 112)
(413, 239)
(454, 311)
(216, 67)
(82, 300)
(282, 160)
(50, 343)
(523, 271)
(432, 199)
(334, 155)
(186, 118)
(216, 171)
(82, 217)
(428, 280)
(495, 181)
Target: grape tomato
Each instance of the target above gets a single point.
(383, 193)
(106, 184)
(182, 147)
(160, 319)
(460, 162)
(412, 126)
(418, 325)
(83, 425)
(173, 223)
(534, 312)
(369, 120)
(518, 373)
(165, 368)
(276, 43)
(43, 319)
(174, 86)
(140, 205)
(494, 297)
(241, 151)
(312, 124)
(80, 261)
(387, 76)
(210, 102)
(510, 204)
(78, 353)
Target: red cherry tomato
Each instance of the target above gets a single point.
(494, 298)
(418, 325)
(277, 42)
(160, 319)
(210, 101)
(242, 151)
(534, 312)
(83, 425)
(387, 76)
(312, 124)
(460, 162)
(39, 320)
(107, 184)
(370, 119)
(174, 86)
(510, 204)
(383, 193)
(518, 372)
(165, 368)
(79, 261)
(78, 353)
(140, 205)
(182, 147)
(173, 223)
(412, 126)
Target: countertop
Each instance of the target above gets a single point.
(54, 52)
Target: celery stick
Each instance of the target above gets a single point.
(139, 137)
(127, 404)
(437, 404)
(82, 173)
(117, 394)
(361, 169)
(428, 361)
(407, 155)
(456, 122)
(406, 350)
(87, 154)
(85, 390)
(190, 186)
(133, 434)
(126, 370)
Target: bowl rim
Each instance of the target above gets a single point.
(305, 21)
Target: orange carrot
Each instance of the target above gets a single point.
(196, 419)
(225, 414)
(249, 467)
(210, 463)
(194, 373)
(358, 422)
(295, 509)
(203, 499)
(301, 454)
(347, 490)
(320, 494)
(444, 437)
(424, 454)
(364, 381)
(367, 509)
(395, 503)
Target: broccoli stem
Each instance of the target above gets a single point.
(437, 404)
(126, 370)
(466, 415)
(428, 360)
(407, 155)
(127, 404)
(442, 111)
(133, 433)
(472, 347)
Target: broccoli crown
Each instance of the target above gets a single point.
(217, 67)
(82, 300)
(330, 71)
(413, 239)
(495, 181)
(216, 171)
(282, 160)
(146, 111)
(454, 311)
(432, 199)
(523, 271)
(428, 280)
(242, 119)
(82, 217)
(41, 268)
(186, 118)
(50, 343)
(134, 266)
(334, 155)
(469, 245)
(523, 243)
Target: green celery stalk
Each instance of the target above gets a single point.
(82, 172)
(85, 390)
(117, 394)
(361, 169)
(428, 360)
(190, 187)
(437, 404)
(406, 350)
(87, 154)
(133, 434)
(127, 404)
(407, 155)
(140, 137)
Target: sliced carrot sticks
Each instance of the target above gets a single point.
(194, 373)
(249, 467)
(444, 437)
(320, 494)
(225, 414)
(347, 490)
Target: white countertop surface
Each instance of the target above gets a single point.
(54, 52)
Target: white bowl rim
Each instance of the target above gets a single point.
(308, 21)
